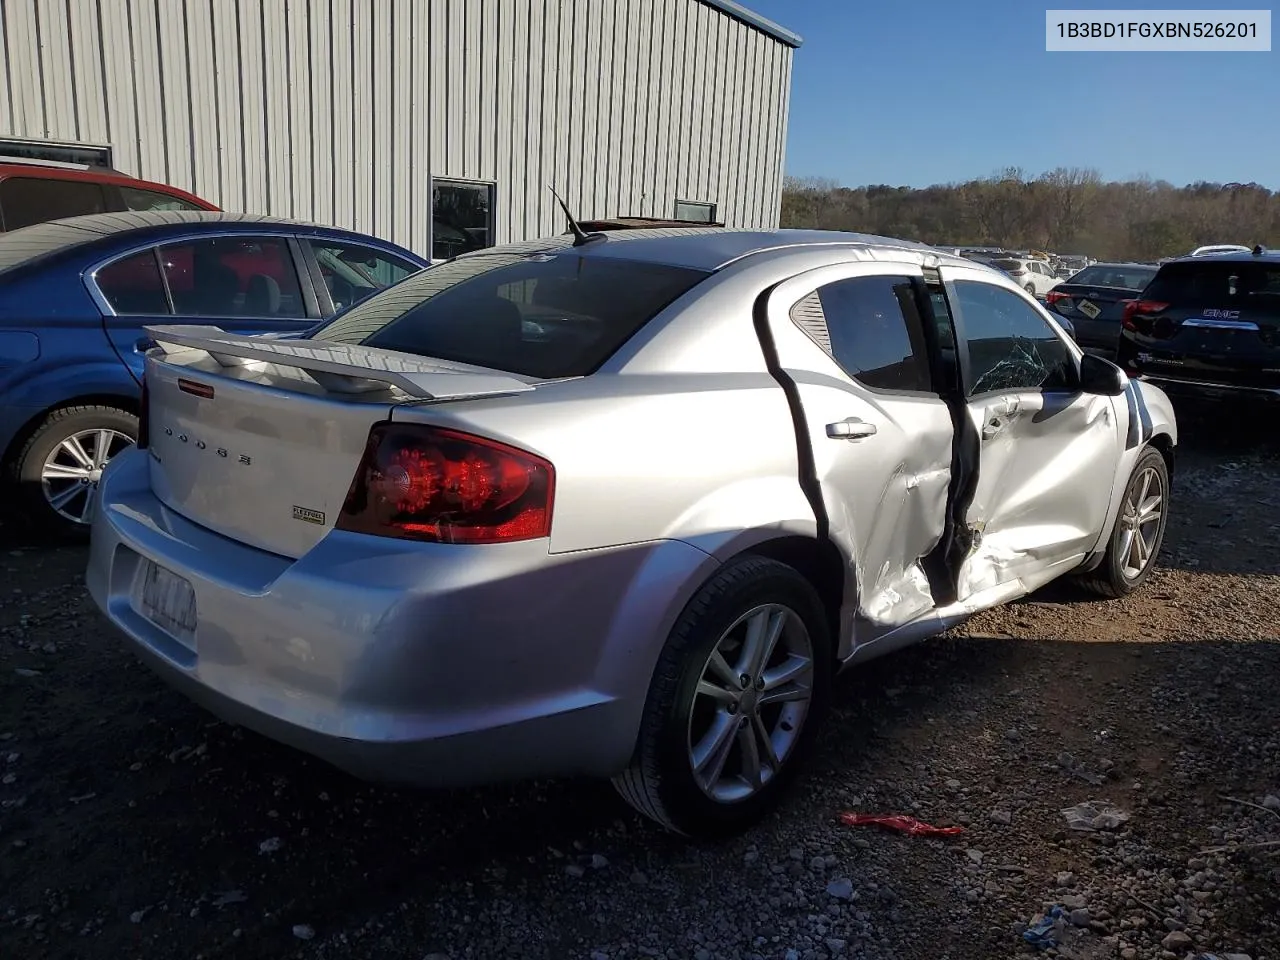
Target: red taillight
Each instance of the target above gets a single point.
(1132, 308)
(144, 416)
(1054, 296)
(427, 483)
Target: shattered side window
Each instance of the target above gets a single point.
(1011, 347)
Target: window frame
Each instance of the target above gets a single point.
(932, 357)
(311, 306)
(709, 205)
(490, 185)
(954, 273)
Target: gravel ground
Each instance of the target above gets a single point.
(133, 825)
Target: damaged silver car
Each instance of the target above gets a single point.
(615, 506)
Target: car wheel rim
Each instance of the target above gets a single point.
(71, 472)
(752, 698)
(1140, 522)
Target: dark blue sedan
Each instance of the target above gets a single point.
(75, 294)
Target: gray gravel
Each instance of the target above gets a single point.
(132, 824)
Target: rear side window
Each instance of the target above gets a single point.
(1240, 284)
(233, 277)
(538, 315)
(28, 200)
(133, 285)
(135, 199)
(870, 326)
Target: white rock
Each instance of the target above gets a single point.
(304, 931)
(270, 845)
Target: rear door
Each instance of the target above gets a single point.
(1048, 452)
(851, 343)
(241, 283)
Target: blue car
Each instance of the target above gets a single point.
(76, 293)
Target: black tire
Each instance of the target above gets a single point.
(27, 466)
(660, 782)
(1109, 579)
(1030, 288)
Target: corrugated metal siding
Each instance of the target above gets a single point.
(342, 111)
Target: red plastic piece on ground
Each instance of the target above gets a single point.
(908, 825)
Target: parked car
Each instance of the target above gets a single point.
(35, 192)
(1216, 248)
(1033, 275)
(1093, 301)
(431, 548)
(1208, 327)
(76, 293)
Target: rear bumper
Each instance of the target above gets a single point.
(1209, 390)
(428, 664)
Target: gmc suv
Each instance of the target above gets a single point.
(1208, 326)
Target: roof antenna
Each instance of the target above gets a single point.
(580, 236)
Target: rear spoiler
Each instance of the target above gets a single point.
(339, 367)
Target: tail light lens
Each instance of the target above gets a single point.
(1138, 311)
(427, 483)
(1054, 296)
(144, 416)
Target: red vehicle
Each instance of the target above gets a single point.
(33, 191)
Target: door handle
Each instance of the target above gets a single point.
(850, 429)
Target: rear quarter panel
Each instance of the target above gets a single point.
(52, 350)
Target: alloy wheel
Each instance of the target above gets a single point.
(1140, 521)
(70, 474)
(751, 702)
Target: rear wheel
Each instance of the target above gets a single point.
(58, 468)
(736, 698)
(1138, 532)
(1030, 288)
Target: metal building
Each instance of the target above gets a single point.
(417, 120)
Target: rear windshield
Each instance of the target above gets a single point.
(1218, 283)
(539, 315)
(1128, 278)
(1007, 264)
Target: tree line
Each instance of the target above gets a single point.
(1068, 210)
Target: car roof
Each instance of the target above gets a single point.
(31, 245)
(1236, 256)
(712, 248)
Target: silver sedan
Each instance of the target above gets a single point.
(618, 507)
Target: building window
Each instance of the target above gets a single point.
(461, 217)
(695, 210)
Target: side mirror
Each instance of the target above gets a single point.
(1101, 377)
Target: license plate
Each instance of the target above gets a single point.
(1090, 310)
(168, 601)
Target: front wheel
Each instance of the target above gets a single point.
(734, 703)
(1138, 532)
(59, 467)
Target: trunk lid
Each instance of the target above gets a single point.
(259, 440)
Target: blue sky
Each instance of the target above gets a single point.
(931, 91)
